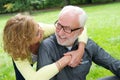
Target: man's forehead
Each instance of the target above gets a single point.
(69, 21)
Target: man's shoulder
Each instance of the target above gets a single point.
(91, 44)
(91, 47)
(49, 40)
(90, 41)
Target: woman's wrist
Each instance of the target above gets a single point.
(59, 66)
(64, 61)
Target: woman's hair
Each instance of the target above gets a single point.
(17, 36)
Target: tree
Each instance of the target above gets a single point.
(88, 1)
(67, 2)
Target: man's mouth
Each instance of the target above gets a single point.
(62, 37)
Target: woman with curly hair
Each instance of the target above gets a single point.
(21, 38)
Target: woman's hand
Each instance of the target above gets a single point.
(62, 62)
(76, 55)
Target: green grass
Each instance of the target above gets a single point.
(103, 27)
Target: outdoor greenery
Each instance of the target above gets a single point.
(103, 27)
(10, 6)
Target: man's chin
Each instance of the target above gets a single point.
(60, 43)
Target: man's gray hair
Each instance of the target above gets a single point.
(78, 10)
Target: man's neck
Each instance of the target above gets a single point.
(69, 48)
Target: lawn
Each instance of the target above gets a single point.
(103, 27)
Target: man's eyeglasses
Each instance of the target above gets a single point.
(66, 29)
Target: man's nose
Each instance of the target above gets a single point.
(61, 32)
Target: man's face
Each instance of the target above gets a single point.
(67, 30)
(65, 39)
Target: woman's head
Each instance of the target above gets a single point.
(20, 32)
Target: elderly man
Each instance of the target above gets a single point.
(69, 26)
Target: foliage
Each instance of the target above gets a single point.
(101, 1)
(37, 4)
(7, 6)
(52, 3)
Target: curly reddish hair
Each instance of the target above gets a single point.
(17, 36)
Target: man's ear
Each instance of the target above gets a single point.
(81, 30)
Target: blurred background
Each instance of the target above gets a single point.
(103, 26)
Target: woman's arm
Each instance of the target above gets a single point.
(45, 73)
(83, 37)
(48, 29)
